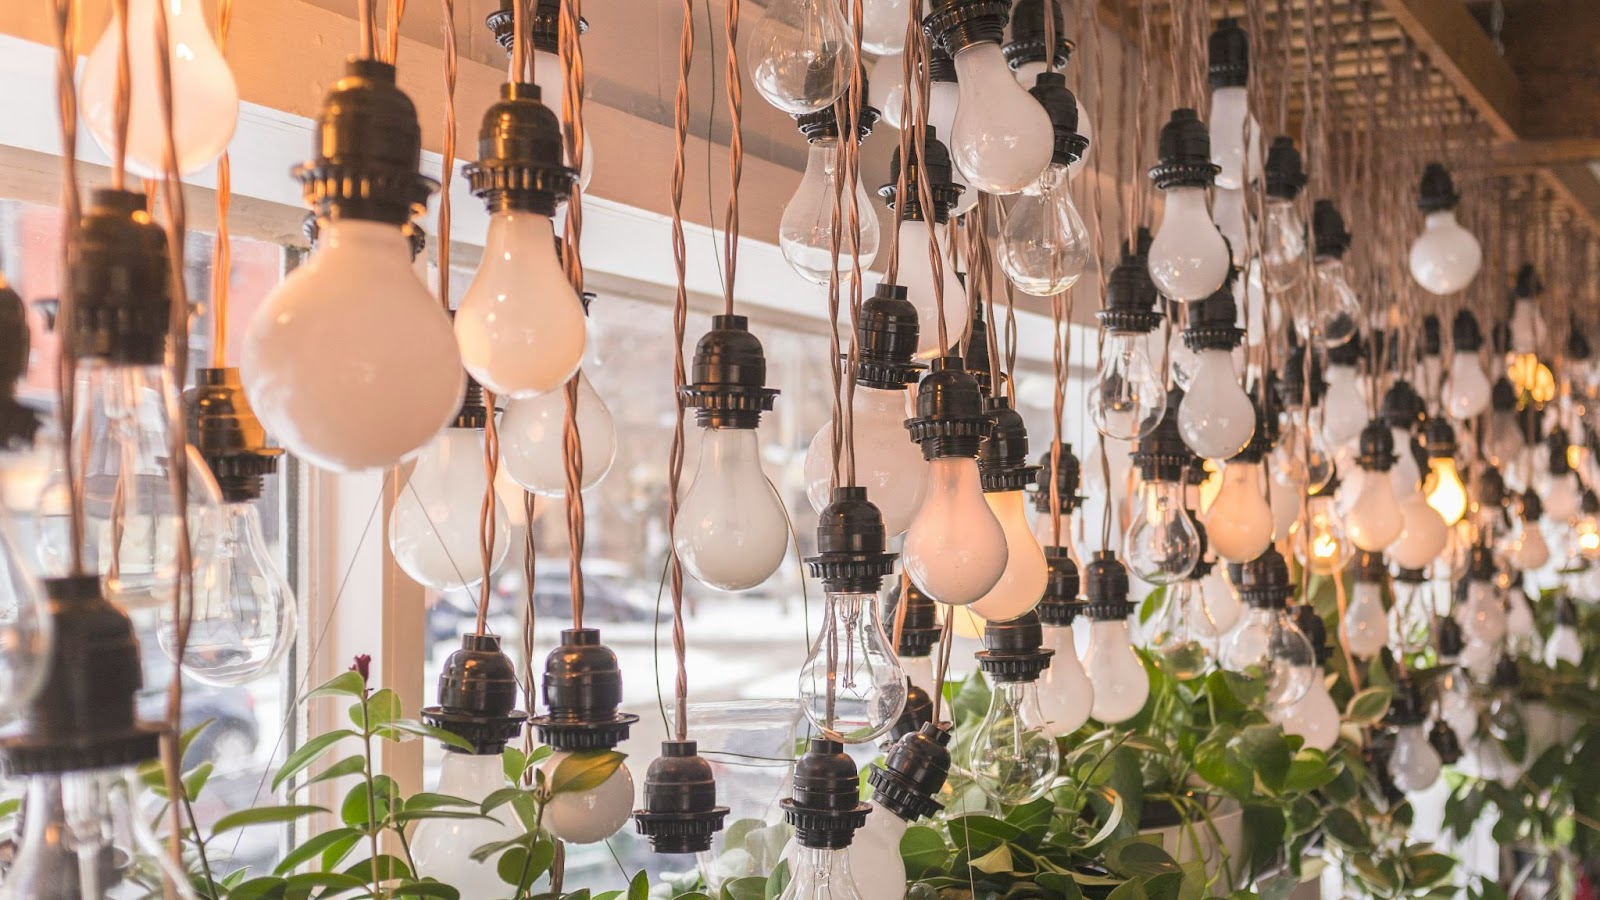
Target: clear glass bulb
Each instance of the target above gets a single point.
(818, 873)
(1002, 139)
(1228, 212)
(1301, 455)
(1467, 392)
(888, 464)
(1337, 308)
(883, 27)
(955, 549)
(1181, 361)
(520, 324)
(443, 848)
(1314, 717)
(532, 434)
(1044, 530)
(1026, 573)
(1411, 618)
(1161, 545)
(1366, 626)
(1121, 685)
(1320, 541)
(1529, 550)
(350, 363)
(1483, 616)
(27, 631)
(732, 530)
(589, 816)
(1065, 694)
(84, 836)
(801, 54)
(886, 86)
(916, 275)
(205, 99)
(1235, 138)
(1188, 258)
(851, 685)
(1239, 523)
(244, 614)
(1013, 758)
(1181, 638)
(1267, 659)
(1216, 417)
(1128, 398)
(1413, 763)
(1344, 406)
(1219, 602)
(806, 229)
(1423, 533)
(1044, 246)
(1445, 257)
(1457, 707)
(1375, 519)
(1563, 646)
(1285, 236)
(1446, 493)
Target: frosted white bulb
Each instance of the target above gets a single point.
(205, 99)
(883, 27)
(1423, 534)
(1228, 212)
(520, 324)
(1413, 763)
(1456, 706)
(1121, 685)
(532, 432)
(1467, 392)
(1344, 406)
(1313, 717)
(1405, 474)
(801, 54)
(876, 866)
(1044, 246)
(1216, 417)
(1219, 602)
(888, 464)
(1181, 361)
(955, 550)
(1066, 695)
(732, 531)
(1188, 258)
(806, 229)
(1562, 647)
(434, 526)
(1239, 523)
(1127, 399)
(1519, 614)
(916, 275)
(443, 848)
(1026, 573)
(1483, 616)
(1527, 326)
(1235, 138)
(1002, 139)
(1366, 627)
(350, 363)
(1445, 257)
(1530, 550)
(591, 816)
(1375, 519)
(551, 79)
(1562, 496)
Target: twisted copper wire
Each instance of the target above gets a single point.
(910, 62)
(397, 11)
(448, 167)
(919, 136)
(848, 173)
(571, 444)
(63, 20)
(836, 424)
(487, 512)
(124, 94)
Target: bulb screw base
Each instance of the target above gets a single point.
(1506, 676)
(1065, 483)
(226, 432)
(1013, 650)
(1532, 506)
(887, 340)
(1131, 297)
(121, 284)
(1163, 455)
(18, 423)
(473, 413)
(1371, 568)
(913, 773)
(1448, 639)
(1050, 89)
(1284, 169)
(1027, 35)
(950, 421)
(1264, 581)
(1377, 447)
(1329, 237)
(956, 25)
(1437, 192)
(1491, 488)
(1003, 456)
(680, 812)
(851, 556)
(544, 28)
(1228, 55)
(1441, 439)
(1107, 589)
(920, 630)
(582, 690)
(825, 808)
(936, 167)
(1467, 336)
(1059, 606)
(1185, 153)
(520, 155)
(478, 696)
(729, 389)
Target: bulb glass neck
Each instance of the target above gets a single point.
(364, 236)
(1108, 632)
(1441, 218)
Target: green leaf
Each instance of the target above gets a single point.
(776, 881)
(344, 684)
(350, 765)
(356, 811)
(639, 887)
(1138, 858)
(520, 866)
(1061, 885)
(1214, 762)
(1263, 751)
(387, 867)
(308, 753)
(585, 771)
(310, 847)
(259, 889)
(195, 781)
(426, 800)
(1342, 826)
(500, 798)
(752, 887)
(396, 731)
(1369, 706)
(264, 815)
(995, 862)
(1128, 890)
(1029, 815)
(1308, 771)
(1429, 868)
(427, 888)
(923, 849)
(338, 850)
(981, 832)
(381, 708)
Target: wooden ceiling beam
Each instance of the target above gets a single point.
(1446, 32)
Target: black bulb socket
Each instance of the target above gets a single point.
(1480, 563)
(940, 174)
(582, 691)
(1432, 335)
(1371, 567)
(544, 26)
(1050, 89)
(120, 283)
(1060, 605)
(822, 126)
(1555, 446)
(912, 773)
(224, 429)
(478, 696)
(1264, 582)
(1131, 297)
(1291, 381)
(825, 807)
(1065, 482)
(1284, 170)
(956, 25)
(851, 556)
(1532, 506)
(887, 336)
(1003, 456)
(1589, 505)
(1106, 589)
(18, 423)
(1442, 738)
(680, 812)
(1402, 406)
(1440, 438)
(1163, 455)
(1437, 192)
(728, 382)
(1212, 320)
(1566, 612)
(520, 163)
(1448, 638)
(975, 350)
(1315, 630)
(1377, 450)
(1506, 677)
(1349, 353)
(1578, 349)
(1406, 706)
(1185, 147)
(950, 420)
(1491, 488)
(921, 629)
(1330, 238)
(917, 712)
(1013, 649)
(1027, 43)
(1228, 55)
(1465, 333)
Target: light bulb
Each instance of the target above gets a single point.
(244, 615)
(732, 531)
(1161, 545)
(1314, 717)
(1563, 646)
(1002, 139)
(1483, 616)
(1189, 259)
(1219, 601)
(1181, 360)
(1466, 393)
(1445, 491)
(1519, 614)
(955, 549)
(520, 324)
(27, 632)
(1235, 138)
(443, 848)
(1456, 706)
(1044, 246)
(1336, 310)
(1411, 618)
(1181, 638)
(1301, 455)
(434, 528)
(1445, 257)
(1344, 406)
(888, 464)
(551, 79)
(592, 815)
(1228, 212)
(1128, 398)
(1320, 541)
(1121, 684)
(801, 54)
(205, 99)
(1423, 533)
(532, 432)
(883, 31)
(1375, 519)
(1217, 418)
(916, 274)
(350, 363)
(1366, 627)
(806, 229)
(1405, 473)
(1267, 659)
(1562, 496)
(851, 685)
(1023, 581)
(1239, 523)
(944, 96)
(1285, 236)
(1413, 763)
(1529, 550)
(1013, 757)
(819, 873)
(1065, 694)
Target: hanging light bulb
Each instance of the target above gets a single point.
(1064, 484)
(1001, 140)
(1563, 645)
(1558, 485)
(1161, 543)
(1445, 257)
(1013, 757)
(1344, 407)
(1301, 456)
(520, 325)
(1219, 600)
(827, 814)
(1467, 391)
(1319, 538)
(732, 531)
(1445, 491)
(1423, 533)
(944, 96)
(1314, 717)
(533, 429)
(1529, 550)
(26, 633)
(1413, 764)
(1335, 309)
(851, 685)
(1520, 626)
(805, 233)
(1284, 229)
(1429, 370)
(477, 697)
(549, 75)
(916, 268)
(1586, 531)
(1483, 614)
(1411, 618)
(919, 631)
(1065, 693)
(955, 549)
(582, 690)
(1181, 639)
(1240, 522)
(205, 98)
(1375, 520)
(801, 54)
(1025, 49)
(1235, 136)
(1229, 213)
(1121, 684)
(1453, 687)
(1189, 260)
(1004, 473)
(886, 83)
(1217, 417)
(912, 774)
(886, 461)
(350, 363)
(1044, 246)
(1366, 626)
(883, 26)
(1403, 410)
(1126, 402)
(1267, 660)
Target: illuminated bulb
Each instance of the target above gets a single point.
(1366, 627)
(532, 432)
(1023, 582)
(1239, 523)
(443, 848)
(955, 548)
(851, 684)
(1181, 638)
(1217, 417)
(732, 531)
(434, 528)
(592, 815)
(1444, 489)
(806, 229)
(888, 464)
(1002, 139)
(1320, 541)
(1423, 534)
(205, 99)
(1413, 763)
(801, 54)
(1126, 401)
(1314, 717)
(1066, 695)
(1013, 757)
(1161, 544)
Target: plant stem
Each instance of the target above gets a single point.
(373, 826)
(199, 842)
